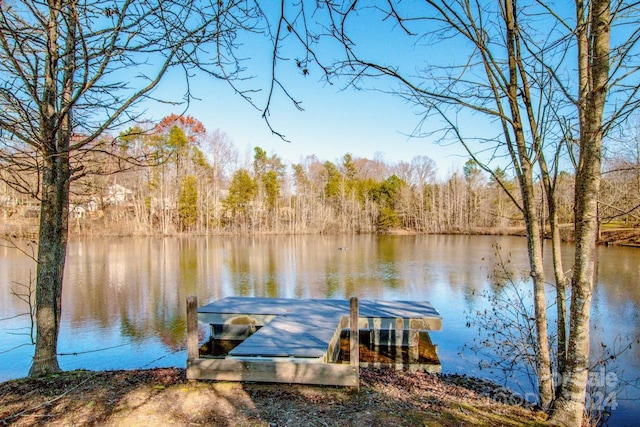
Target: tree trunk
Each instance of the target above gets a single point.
(534, 247)
(527, 186)
(561, 289)
(561, 280)
(52, 250)
(570, 407)
(54, 205)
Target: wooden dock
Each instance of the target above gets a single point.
(298, 341)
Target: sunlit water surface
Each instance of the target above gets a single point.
(124, 298)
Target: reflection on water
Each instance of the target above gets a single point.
(128, 294)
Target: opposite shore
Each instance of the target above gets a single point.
(610, 235)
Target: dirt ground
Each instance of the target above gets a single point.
(165, 397)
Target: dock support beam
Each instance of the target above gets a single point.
(399, 339)
(354, 338)
(192, 328)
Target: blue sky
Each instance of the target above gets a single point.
(335, 121)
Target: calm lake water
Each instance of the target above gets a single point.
(124, 298)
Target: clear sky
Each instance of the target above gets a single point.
(370, 124)
(335, 121)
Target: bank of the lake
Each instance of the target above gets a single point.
(611, 234)
(163, 396)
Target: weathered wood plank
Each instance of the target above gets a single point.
(290, 337)
(192, 327)
(399, 338)
(414, 346)
(354, 338)
(420, 314)
(333, 351)
(273, 371)
(354, 333)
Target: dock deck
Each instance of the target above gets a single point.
(303, 333)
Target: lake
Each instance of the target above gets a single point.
(124, 298)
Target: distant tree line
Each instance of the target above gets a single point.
(193, 182)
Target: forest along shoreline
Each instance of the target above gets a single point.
(610, 234)
(164, 396)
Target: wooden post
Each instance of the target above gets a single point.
(377, 326)
(192, 328)
(354, 339)
(414, 345)
(399, 339)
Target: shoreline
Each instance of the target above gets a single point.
(609, 235)
(163, 396)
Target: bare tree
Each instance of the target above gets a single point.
(512, 60)
(493, 81)
(593, 28)
(221, 156)
(71, 71)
